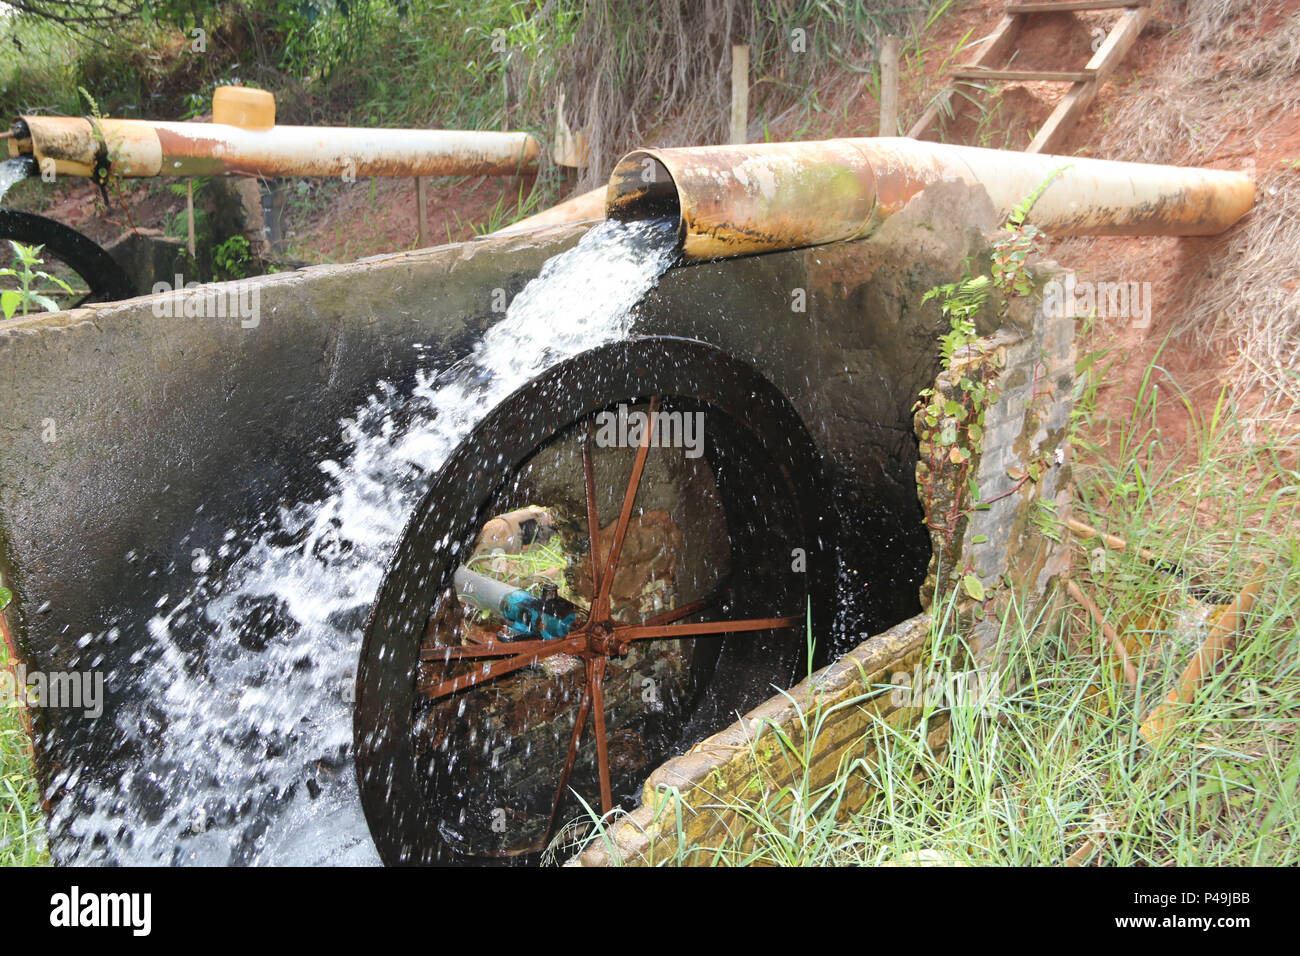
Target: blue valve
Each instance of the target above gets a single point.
(548, 618)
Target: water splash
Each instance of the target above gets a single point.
(236, 748)
(11, 171)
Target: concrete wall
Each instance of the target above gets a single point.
(1022, 471)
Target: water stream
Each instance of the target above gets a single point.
(236, 746)
(11, 171)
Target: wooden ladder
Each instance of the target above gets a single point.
(1083, 83)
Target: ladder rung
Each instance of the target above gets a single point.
(974, 73)
(1072, 5)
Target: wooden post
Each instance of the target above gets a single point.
(1216, 646)
(422, 209)
(189, 214)
(888, 86)
(739, 94)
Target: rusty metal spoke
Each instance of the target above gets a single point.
(676, 614)
(593, 517)
(600, 607)
(571, 757)
(602, 747)
(645, 632)
(501, 668)
(490, 649)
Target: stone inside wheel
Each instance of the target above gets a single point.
(611, 566)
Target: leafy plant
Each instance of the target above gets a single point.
(951, 416)
(1012, 250)
(90, 100)
(233, 258)
(30, 282)
(959, 302)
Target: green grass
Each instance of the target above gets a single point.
(1057, 759)
(22, 828)
(526, 568)
(38, 69)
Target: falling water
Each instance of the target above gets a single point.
(12, 170)
(236, 747)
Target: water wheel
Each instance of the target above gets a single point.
(683, 494)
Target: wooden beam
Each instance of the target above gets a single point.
(739, 94)
(1046, 76)
(1109, 633)
(1217, 645)
(1074, 5)
(994, 48)
(1076, 102)
(889, 86)
(422, 211)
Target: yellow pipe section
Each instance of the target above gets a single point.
(135, 148)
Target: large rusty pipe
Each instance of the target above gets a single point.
(739, 200)
(135, 148)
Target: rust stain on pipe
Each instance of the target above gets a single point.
(737, 200)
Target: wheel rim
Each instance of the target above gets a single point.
(104, 279)
(426, 805)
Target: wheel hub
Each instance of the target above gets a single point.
(603, 640)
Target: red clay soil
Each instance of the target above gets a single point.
(1174, 266)
(145, 204)
(368, 217)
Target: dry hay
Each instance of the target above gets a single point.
(1249, 299)
(1223, 74)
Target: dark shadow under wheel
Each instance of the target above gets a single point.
(691, 565)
